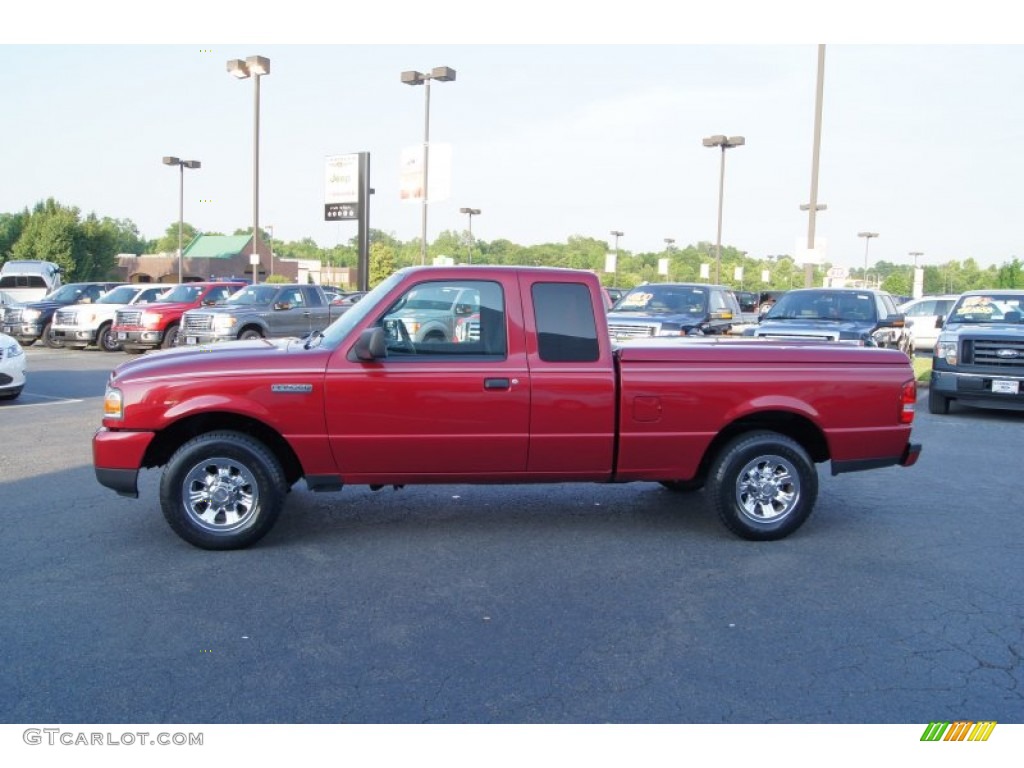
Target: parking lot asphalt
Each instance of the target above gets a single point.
(898, 602)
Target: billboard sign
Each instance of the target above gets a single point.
(341, 185)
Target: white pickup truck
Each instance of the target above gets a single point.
(80, 325)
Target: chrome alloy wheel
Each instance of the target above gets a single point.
(767, 489)
(220, 494)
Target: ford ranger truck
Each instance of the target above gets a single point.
(267, 310)
(138, 329)
(537, 394)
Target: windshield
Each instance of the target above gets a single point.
(340, 328)
(120, 295)
(186, 294)
(664, 300)
(850, 306)
(66, 293)
(990, 308)
(253, 295)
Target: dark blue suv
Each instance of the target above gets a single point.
(856, 315)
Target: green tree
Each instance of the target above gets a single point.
(1011, 275)
(169, 242)
(51, 233)
(382, 262)
(11, 226)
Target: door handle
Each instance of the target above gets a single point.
(497, 384)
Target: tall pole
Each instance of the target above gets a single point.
(813, 207)
(426, 169)
(867, 240)
(181, 218)
(256, 182)
(718, 240)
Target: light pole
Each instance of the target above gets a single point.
(867, 241)
(412, 77)
(254, 67)
(616, 234)
(270, 246)
(718, 140)
(182, 165)
(669, 241)
(470, 212)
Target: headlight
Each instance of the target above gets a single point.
(224, 322)
(946, 350)
(13, 351)
(113, 404)
(30, 315)
(151, 319)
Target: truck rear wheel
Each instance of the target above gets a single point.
(222, 490)
(763, 486)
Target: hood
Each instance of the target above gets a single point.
(681, 318)
(235, 357)
(817, 328)
(986, 330)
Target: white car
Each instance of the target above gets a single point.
(12, 367)
(924, 315)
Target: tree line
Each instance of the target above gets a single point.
(86, 247)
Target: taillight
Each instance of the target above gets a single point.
(908, 397)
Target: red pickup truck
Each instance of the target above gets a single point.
(537, 394)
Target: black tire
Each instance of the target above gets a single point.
(106, 340)
(683, 486)
(763, 486)
(937, 403)
(222, 490)
(49, 340)
(170, 337)
(250, 333)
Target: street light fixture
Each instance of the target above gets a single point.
(867, 241)
(718, 140)
(470, 212)
(182, 165)
(412, 77)
(669, 241)
(254, 67)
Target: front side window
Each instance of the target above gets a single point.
(442, 318)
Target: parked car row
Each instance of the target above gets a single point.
(136, 317)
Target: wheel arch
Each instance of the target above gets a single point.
(172, 437)
(795, 426)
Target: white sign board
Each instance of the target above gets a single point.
(439, 173)
(663, 267)
(705, 271)
(341, 179)
(805, 255)
(766, 276)
(610, 262)
(737, 273)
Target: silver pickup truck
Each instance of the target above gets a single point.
(432, 313)
(258, 312)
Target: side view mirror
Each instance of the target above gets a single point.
(371, 345)
(940, 322)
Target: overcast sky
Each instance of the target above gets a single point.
(920, 140)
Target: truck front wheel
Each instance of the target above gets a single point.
(170, 337)
(763, 486)
(106, 339)
(222, 490)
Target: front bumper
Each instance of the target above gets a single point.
(990, 389)
(117, 458)
(24, 331)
